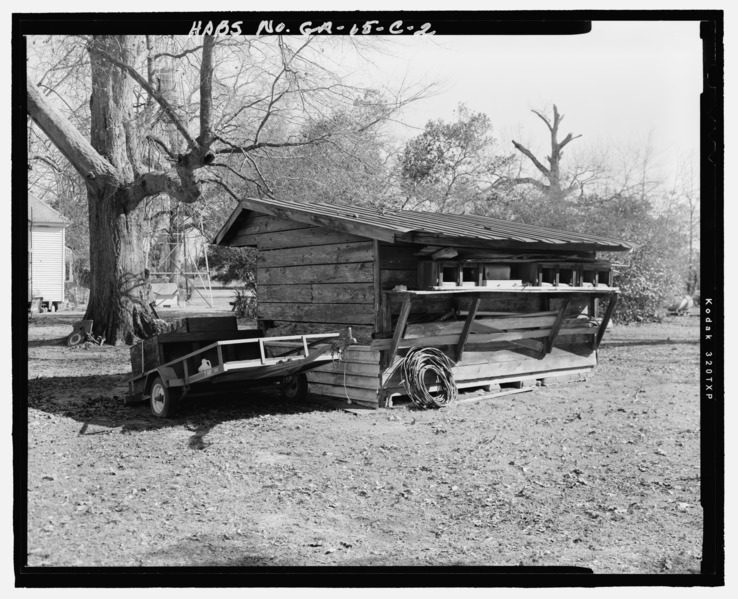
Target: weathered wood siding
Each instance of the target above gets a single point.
(355, 377)
(311, 278)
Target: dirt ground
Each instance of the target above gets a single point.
(602, 473)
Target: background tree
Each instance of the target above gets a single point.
(59, 64)
(352, 167)
(253, 97)
(653, 273)
(553, 185)
(684, 203)
(619, 195)
(450, 166)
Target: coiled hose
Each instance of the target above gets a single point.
(417, 365)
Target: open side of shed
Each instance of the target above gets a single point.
(506, 302)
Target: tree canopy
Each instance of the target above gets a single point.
(181, 116)
(127, 134)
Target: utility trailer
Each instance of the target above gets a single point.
(206, 354)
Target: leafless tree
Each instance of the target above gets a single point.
(241, 98)
(553, 184)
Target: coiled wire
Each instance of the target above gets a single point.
(421, 361)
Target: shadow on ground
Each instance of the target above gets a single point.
(97, 401)
(637, 342)
(61, 341)
(209, 551)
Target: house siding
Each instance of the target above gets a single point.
(47, 263)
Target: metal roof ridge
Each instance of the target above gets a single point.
(513, 225)
(504, 232)
(512, 229)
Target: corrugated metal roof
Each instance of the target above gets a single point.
(40, 212)
(385, 221)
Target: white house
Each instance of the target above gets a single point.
(46, 253)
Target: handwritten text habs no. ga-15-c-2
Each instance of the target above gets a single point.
(309, 28)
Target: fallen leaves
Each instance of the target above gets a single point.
(304, 485)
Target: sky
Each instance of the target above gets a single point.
(622, 83)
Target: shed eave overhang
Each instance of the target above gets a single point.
(425, 238)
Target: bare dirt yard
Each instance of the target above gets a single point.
(602, 473)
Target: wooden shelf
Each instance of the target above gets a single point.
(495, 291)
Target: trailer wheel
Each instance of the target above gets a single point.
(295, 386)
(75, 338)
(163, 400)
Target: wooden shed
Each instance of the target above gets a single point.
(46, 253)
(505, 301)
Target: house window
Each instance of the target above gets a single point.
(68, 272)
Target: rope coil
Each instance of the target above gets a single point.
(417, 365)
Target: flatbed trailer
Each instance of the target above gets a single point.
(171, 366)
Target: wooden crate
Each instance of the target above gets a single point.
(146, 355)
(166, 347)
(206, 324)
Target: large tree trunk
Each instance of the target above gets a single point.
(120, 171)
(119, 291)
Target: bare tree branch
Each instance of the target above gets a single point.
(224, 186)
(206, 92)
(71, 143)
(233, 149)
(47, 161)
(262, 185)
(532, 158)
(175, 56)
(267, 189)
(567, 139)
(162, 145)
(182, 188)
(530, 181)
(544, 119)
(160, 99)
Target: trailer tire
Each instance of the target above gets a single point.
(162, 399)
(294, 387)
(75, 338)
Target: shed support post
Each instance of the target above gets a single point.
(399, 329)
(605, 320)
(386, 314)
(261, 351)
(556, 326)
(476, 300)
